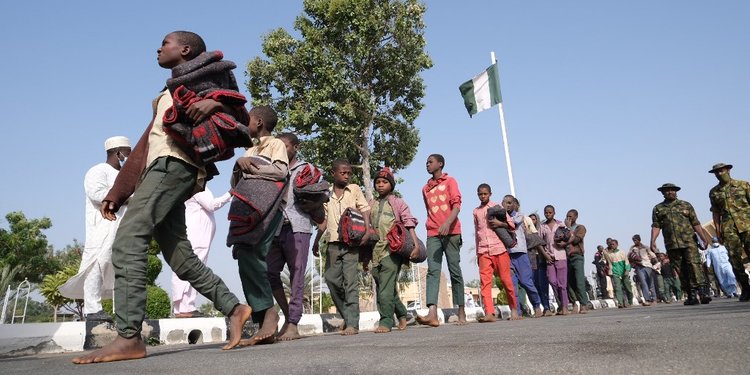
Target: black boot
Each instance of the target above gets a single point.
(704, 295)
(745, 295)
(692, 298)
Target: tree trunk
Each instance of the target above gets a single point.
(366, 178)
(54, 319)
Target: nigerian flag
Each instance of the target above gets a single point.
(482, 91)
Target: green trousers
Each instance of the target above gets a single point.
(578, 280)
(672, 285)
(687, 263)
(251, 262)
(342, 278)
(736, 243)
(622, 289)
(386, 280)
(451, 247)
(157, 211)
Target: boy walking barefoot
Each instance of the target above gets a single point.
(492, 256)
(341, 262)
(157, 210)
(386, 210)
(443, 202)
(251, 257)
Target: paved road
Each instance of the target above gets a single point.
(705, 339)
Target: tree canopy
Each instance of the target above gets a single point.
(350, 87)
(24, 246)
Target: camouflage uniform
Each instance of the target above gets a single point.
(732, 202)
(676, 220)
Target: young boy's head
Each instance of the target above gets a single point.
(263, 120)
(434, 163)
(292, 144)
(342, 172)
(384, 182)
(484, 192)
(509, 203)
(179, 47)
(549, 212)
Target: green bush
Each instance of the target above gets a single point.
(154, 268)
(158, 303)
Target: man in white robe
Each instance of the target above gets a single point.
(95, 277)
(201, 227)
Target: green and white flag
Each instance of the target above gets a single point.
(483, 91)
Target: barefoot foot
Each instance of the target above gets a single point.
(349, 331)
(514, 315)
(487, 319)
(402, 323)
(428, 320)
(538, 312)
(382, 329)
(267, 332)
(290, 333)
(237, 318)
(119, 350)
(461, 316)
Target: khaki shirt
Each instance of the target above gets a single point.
(352, 197)
(274, 150)
(160, 144)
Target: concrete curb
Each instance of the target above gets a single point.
(42, 338)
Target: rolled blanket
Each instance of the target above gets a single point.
(310, 193)
(400, 242)
(307, 176)
(255, 201)
(507, 236)
(207, 77)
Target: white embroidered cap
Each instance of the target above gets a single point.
(115, 142)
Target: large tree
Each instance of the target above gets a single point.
(350, 86)
(24, 246)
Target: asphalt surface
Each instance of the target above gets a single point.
(663, 339)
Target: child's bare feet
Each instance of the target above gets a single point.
(267, 332)
(237, 318)
(430, 319)
(402, 323)
(119, 350)
(349, 331)
(549, 313)
(461, 316)
(538, 312)
(514, 315)
(564, 311)
(487, 319)
(382, 329)
(290, 332)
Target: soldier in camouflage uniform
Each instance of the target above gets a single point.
(730, 205)
(678, 220)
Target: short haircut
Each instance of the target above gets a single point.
(189, 38)
(484, 186)
(440, 159)
(573, 210)
(515, 200)
(338, 163)
(267, 115)
(550, 206)
(614, 240)
(289, 137)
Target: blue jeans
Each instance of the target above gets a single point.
(522, 266)
(541, 282)
(646, 279)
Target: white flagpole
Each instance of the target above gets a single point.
(505, 137)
